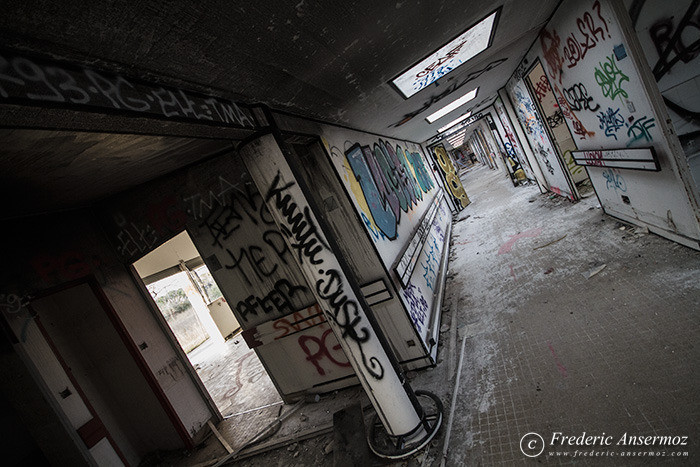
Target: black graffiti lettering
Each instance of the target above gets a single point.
(287, 288)
(226, 210)
(256, 253)
(303, 231)
(221, 223)
(343, 311)
(237, 263)
(251, 258)
(578, 99)
(278, 300)
(667, 40)
(556, 119)
(307, 242)
(304, 237)
(331, 289)
(246, 307)
(275, 240)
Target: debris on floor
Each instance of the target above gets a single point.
(594, 271)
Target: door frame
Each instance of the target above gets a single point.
(128, 342)
(543, 121)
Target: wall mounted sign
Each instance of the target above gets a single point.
(636, 158)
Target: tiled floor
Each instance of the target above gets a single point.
(234, 376)
(556, 351)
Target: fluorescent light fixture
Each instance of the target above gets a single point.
(451, 106)
(454, 122)
(447, 58)
(458, 139)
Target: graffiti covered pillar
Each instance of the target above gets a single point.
(346, 311)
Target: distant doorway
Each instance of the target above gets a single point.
(551, 108)
(203, 325)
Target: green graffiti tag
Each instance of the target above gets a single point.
(610, 79)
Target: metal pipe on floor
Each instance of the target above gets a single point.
(446, 446)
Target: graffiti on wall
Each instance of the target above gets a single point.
(305, 330)
(611, 121)
(551, 43)
(578, 99)
(614, 180)
(541, 87)
(511, 144)
(392, 180)
(31, 80)
(454, 184)
(676, 41)
(610, 79)
(638, 130)
(592, 29)
(299, 226)
(431, 264)
(226, 209)
(417, 306)
(528, 115)
(323, 348)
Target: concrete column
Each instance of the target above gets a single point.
(345, 311)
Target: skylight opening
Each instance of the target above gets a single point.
(447, 58)
(451, 106)
(454, 122)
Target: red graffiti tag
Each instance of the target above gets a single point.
(507, 246)
(65, 267)
(560, 367)
(320, 351)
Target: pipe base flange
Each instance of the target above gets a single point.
(396, 447)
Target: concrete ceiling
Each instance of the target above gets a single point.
(44, 171)
(330, 60)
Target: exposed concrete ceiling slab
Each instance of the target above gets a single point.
(331, 60)
(54, 170)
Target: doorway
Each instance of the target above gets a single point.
(80, 348)
(202, 324)
(556, 126)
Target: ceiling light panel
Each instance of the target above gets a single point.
(454, 122)
(451, 106)
(447, 58)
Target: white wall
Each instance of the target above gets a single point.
(605, 68)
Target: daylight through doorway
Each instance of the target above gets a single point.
(203, 325)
